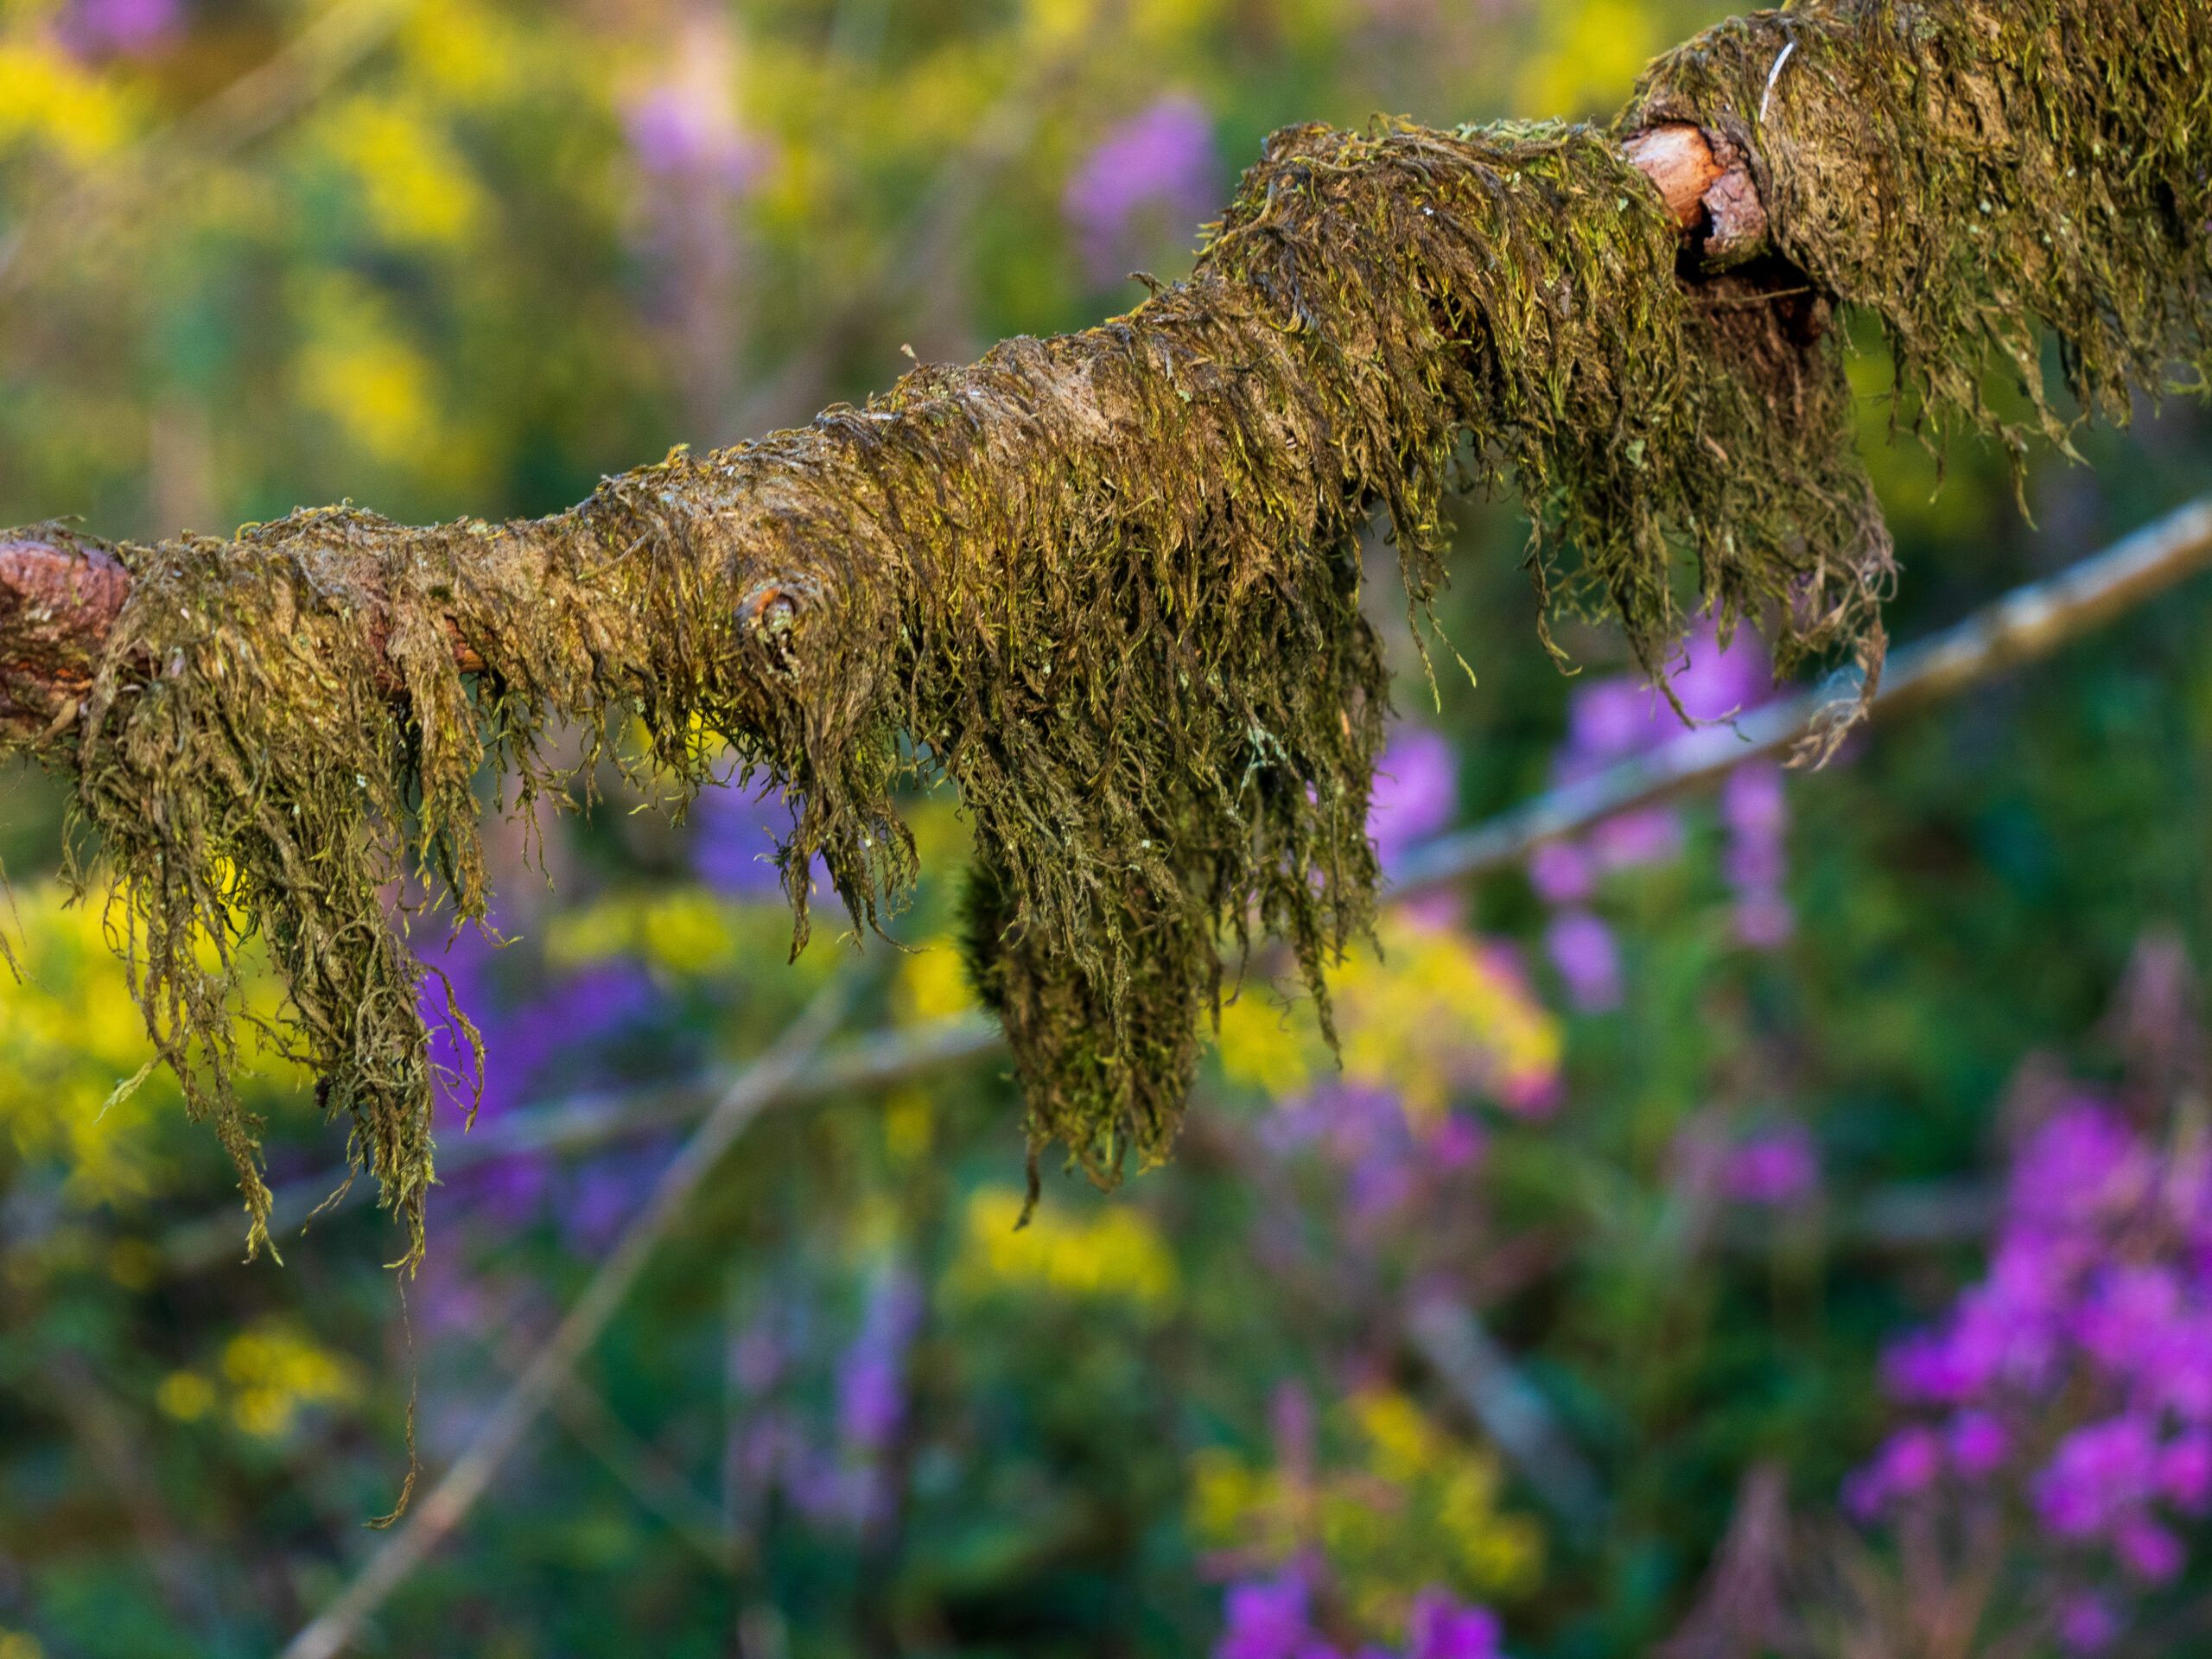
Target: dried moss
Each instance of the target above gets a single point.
(1109, 583)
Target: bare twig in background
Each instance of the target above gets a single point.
(578, 1124)
(638, 1465)
(282, 86)
(1482, 1377)
(464, 1482)
(2029, 623)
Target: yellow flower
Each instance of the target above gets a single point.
(1117, 1255)
(69, 1035)
(932, 983)
(359, 372)
(49, 99)
(1435, 1012)
(186, 1396)
(276, 1371)
(686, 931)
(1264, 1046)
(909, 1124)
(416, 189)
(471, 54)
(1592, 54)
(20, 1644)
(1412, 1505)
(1399, 1439)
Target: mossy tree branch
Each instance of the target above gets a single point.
(1108, 583)
(61, 591)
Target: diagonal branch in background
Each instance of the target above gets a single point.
(1107, 582)
(456, 1492)
(272, 93)
(1510, 1409)
(2026, 625)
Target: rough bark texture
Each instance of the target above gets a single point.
(1109, 583)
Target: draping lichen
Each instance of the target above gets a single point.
(1109, 583)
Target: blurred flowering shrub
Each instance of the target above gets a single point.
(1154, 177)
(1616, 719)
(263, 1379)
(1367, 1521)
(1117, 1255)
(78, 1093)
(1673, 1187)
(2061, 1408)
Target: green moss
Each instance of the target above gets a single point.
(1978, 174)
(1110, 582)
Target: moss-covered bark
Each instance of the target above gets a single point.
(1109, 583)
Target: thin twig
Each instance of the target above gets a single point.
(584, 1121)
(1517, 1418)
(282, 86)
(2029, 623)
(639, 1466)
(464, 1481)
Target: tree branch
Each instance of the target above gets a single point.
(60, 593)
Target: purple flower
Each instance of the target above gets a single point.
(1582, 949)
(1714, 682)
(605, 1193)
(1764, 920)
(2091, 1332)
(676, 130)
(1265, 1619)
(871, 1395)
(2148, 1550)
(522, 1044)
(734, 838)
(1607, 720)
(1612, 718)
(1907, 1465)
(1776, 1167)
(1456, 1142)
(1979, 1443)
(2185, 1472)
(2099, 1473)
(1753, 801)
(1159, 163)
(2087, 1625)
(1441, 1629)
(1651, 834)
(2083, 1163)
(123, 28)
(1756, 812)
(1417, 792)
(1560, 871)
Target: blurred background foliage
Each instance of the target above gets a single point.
(1554, 1322)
